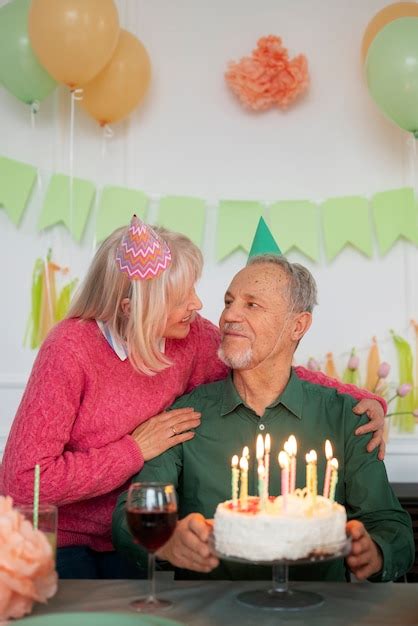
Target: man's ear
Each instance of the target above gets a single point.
(125, 305)
(301, 325)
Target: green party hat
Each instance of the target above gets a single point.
(263, 242)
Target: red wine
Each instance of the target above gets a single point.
(151, 529)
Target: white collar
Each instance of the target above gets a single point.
(117, 346)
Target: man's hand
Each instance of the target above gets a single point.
(189, 546)
(374, 411)
(365, 558)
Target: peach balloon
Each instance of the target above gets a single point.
(73, 39)
(382, 18)
(123, 83)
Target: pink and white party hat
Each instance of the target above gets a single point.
(142, 254)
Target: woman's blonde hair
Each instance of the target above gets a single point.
(101, 294)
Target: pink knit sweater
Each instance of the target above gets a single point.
(78, 410)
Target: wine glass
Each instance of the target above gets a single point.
(151, 512)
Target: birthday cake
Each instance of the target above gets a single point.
(300, 527)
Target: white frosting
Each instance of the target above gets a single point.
(302, 529)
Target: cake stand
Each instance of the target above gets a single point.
(280, 597)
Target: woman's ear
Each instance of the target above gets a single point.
(126, 307)
(301, 326)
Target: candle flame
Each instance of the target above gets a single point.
(308, 457)
(328, 450)
(243, 463)
(283, 459)
(334, 464)
(260, 447)
(245, 452)
(234, 461)
(292, 444)
(313, 456)
(267, 445)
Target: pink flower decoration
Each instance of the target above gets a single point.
(353, 362)
(268, 77)
(415, 412)
(384, 369)
(313, 365)
(26, 564)
(403, 390)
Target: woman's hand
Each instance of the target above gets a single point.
(375, 413)
(165, 430)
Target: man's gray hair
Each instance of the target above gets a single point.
(302, 286)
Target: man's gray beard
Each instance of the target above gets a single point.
(238, 361)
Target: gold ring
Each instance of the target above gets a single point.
(174, 430)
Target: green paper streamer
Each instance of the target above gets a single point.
(395, 215)
(116, 207)
(183, 214)
(295, 224)
(56, 207)
(406, 422)
(237, 223)
(16, 183)
(345, 222)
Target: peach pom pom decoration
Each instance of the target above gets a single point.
(268, 77)
(27, 571)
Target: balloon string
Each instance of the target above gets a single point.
(106, 135)
(34, 108)
(76, 94)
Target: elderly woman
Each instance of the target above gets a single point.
(94, 407)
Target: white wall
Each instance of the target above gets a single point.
(191, 137)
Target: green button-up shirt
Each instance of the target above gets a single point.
(201, 470)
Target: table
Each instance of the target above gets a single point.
(213, 603)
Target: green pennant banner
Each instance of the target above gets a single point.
(184, 214)
(237, 223)
(346, 222)
(116, 207)
(57, 204)
(395, 215)
(16, 183)
(295, 224)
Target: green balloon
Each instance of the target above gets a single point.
(392, 72)
(20, 71)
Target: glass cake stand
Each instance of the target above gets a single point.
(280, 597)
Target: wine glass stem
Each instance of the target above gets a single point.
(280, 578)
(151, 577)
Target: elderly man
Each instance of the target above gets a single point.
(268, 309)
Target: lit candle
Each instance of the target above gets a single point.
(328, 454)
(314, 476)
(235, 479)
(267, 447)
(259, 449)
(284, 466)
(308, 473)
(243, 497)
(261, 485)
(246, 453)
(334, 478)
(291, 448)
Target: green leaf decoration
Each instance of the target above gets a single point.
(405, 423)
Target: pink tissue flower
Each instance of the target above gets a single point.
(26, 564)
(313, 365)
(384, 369)
(353, 362)
(268, 77)
(403, 390)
